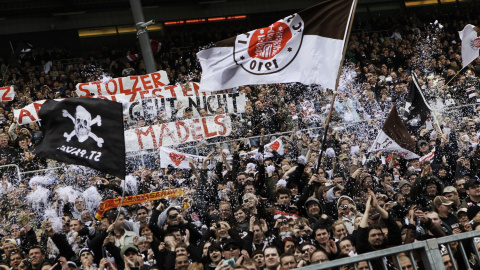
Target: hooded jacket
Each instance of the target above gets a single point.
(314, 200)
(317, 219)
(350, 220)
(418, 193)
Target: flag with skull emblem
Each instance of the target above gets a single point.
(84, 131)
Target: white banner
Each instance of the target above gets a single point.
(7, 93)
(130, 86)
(177, 159)
(150, 108)
(29, 113)
(178, 132)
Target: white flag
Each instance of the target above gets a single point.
(470, 44)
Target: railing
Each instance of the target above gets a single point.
(227, 144)
(429, 251)
(16, 166)
(38, 172)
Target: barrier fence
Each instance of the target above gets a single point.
(428, 254)
(203, 149)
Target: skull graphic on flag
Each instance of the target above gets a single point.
(83, 125)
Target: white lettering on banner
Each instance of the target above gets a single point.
(149, 108)
(91, 155)
(7, 93)
(178, 132)
(129, 86)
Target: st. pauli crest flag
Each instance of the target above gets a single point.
(84, 131)
(394, 137)
(304, 47)
(470, 44)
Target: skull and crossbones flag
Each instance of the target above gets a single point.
(84, 131)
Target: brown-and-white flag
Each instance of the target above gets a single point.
(394, 137)
(304, 47)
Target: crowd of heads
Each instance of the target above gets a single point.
(263, 209)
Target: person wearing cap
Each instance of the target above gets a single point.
(347, 212)
(463, 217)
(423, 147)
(443, 206)
(405, 187)
(72, 265)
(230, 249)
(444, 175)
(472, 188)
(426, 187)
(131, 257)
(452, 194)
(86, 257)
(9, 244)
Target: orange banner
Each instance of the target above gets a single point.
(135, 199)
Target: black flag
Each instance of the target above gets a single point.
(416, 106)
(22, 49)
(84, 131)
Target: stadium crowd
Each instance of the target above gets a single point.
(259, 211)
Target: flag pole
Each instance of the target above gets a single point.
(345, 45)
(457, 73)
